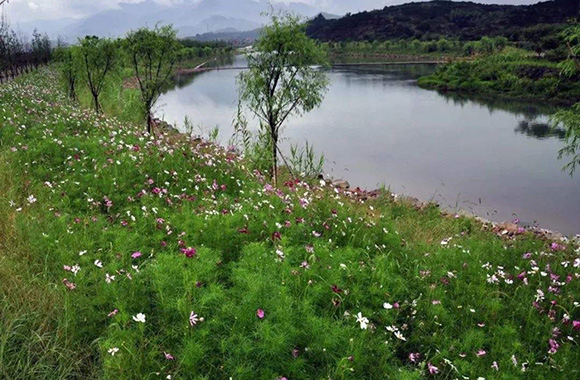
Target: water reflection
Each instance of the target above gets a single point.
(528, 109)
(539, 130)
(535, 116)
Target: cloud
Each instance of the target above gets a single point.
(32, 5)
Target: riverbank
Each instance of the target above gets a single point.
(171, 256)
(511, 74)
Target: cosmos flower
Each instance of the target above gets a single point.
(194, 319)
(364, 322)
(113, 350)
(399, 336)
(189, 252)
(109, 278)
(140, 318)
(113, 313)
(260, 313)
(432, 369)
(414, 357)
(554, 346)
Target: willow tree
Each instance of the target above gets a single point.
(570, 118)
(98, 56)
(153, 55)
(284, 77)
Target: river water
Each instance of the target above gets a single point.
(495, 158)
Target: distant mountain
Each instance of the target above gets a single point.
(244, 37)
(328, 16)
(232, 36)
(218, 24)
(190, 17)
(464, 20)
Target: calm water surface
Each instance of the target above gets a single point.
(495, 158)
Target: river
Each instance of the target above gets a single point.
(376, 127)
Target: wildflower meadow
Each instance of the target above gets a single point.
(128, 255)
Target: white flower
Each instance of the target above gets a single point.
(194, 319)
(75, 269)
(387, 306)
(139, 318)
(400, 336)
(31, 199)
(280, 254)
(492, 279)
(109, 279)
(364, 322)
(98, 263)
(113, 351)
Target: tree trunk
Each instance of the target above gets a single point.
(275, 159)
(149, 122)
(71, 92)
(97, 105)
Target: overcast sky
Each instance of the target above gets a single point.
(29, 10)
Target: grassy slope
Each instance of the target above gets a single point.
(103, 191)
(509, 74)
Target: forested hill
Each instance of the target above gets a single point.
(435, 19)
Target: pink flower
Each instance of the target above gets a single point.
(495, 366)
(432, 369)
(168, 356)
(113, 313)
(68, 284)
(481, 353)
(414, 357)
(136, 255)
(554, 346)
(189, 252)
(260, 313)
(576, 325)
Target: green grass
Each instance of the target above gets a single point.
(91, 191)
(511, 73)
